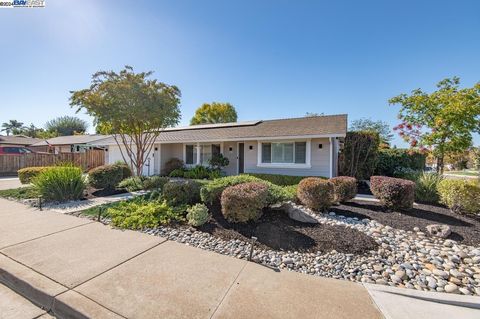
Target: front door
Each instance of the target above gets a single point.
(241, 157)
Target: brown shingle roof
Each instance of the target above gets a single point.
(315, 126)
(18, 140)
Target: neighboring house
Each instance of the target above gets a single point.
(71, 143)
(306, 146)
(21, 141)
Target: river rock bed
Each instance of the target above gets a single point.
(408, 259)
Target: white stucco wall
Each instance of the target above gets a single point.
(114, 155)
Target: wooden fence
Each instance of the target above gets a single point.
(10, 164)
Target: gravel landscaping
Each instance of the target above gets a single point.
(355, 247)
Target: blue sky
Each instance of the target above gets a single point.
(271, 59)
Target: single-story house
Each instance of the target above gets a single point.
(306, 146)
(21, 141)
(71, 143)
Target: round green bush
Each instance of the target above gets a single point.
(393, 193)
(316, 193)
(244, 202)
(344, 188)
(179, 172)
(461, 196)
(197, 215)
(28, 173)
(60, 183)
(106, 176)
(178, 193)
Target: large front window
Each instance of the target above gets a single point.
(284, 153)
(205, 153)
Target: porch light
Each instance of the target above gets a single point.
(320, 145)
(250, 147)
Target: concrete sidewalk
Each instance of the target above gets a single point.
(77, 268)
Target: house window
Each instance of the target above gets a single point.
(284, 153)
(206, 152)
(190, 154)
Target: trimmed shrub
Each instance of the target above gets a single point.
(142, 214)
(391, 160)
(60, 183)
(154, 182)
(106, 176)
(212, 192)
(197, 215)
(344, 188)
(316, 193)
(426, 188)
(218, 161)
(281, 180)
(359, 155)
(132, 184)
(393, 193)
(28, 173)
(172, 164)
(244, 202)
(126, 171)
(179, 193)
(461, 196)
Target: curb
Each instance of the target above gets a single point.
(48, 294)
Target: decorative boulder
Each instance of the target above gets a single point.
(438, 230)
(298, 214)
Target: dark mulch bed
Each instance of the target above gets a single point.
(275, 230)
(465, 229)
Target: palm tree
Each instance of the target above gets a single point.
(12, 126)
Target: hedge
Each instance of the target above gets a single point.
(28, 173)
(394, 159)
(359, 155)
(278, 179)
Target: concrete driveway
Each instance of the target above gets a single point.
(9, 182)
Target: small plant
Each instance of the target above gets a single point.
(218, 161)
(60, 183)
(344, 188)
(154, 182)
(316, 193)
(178, 193)
(461, 196)
(426, 188)
(197, 172)
(142, 214)
(106, 176)
(173, 164)
(132, 184)
(179, 172)
(197, 215)
(28, 173)
(244, 202)
(393, 193)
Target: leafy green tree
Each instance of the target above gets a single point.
(369, 125)
(214, 113)
(12, 126)
(132, 107)
(31, 131)
(313, 114)
(67, 125)
(443, 120)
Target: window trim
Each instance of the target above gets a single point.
(307, 163)
(197, 146)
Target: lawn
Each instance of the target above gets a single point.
(463, 173)
(26, 192)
